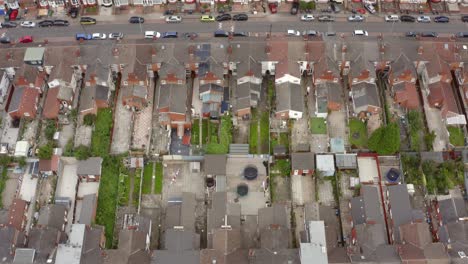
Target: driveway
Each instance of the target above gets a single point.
(123, 124)
(66, 134)
(300, 133)
(302, 189)
(66, 185)
(435, 123)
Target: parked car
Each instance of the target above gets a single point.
(293, 32)
(411, 34)
(240, 34)
(152, 34)
(136, 20)
(240, 17)
(429, 34)
(173, 19)
(273, 7)
(392, 18)
(464, 18)
(116, 35)
(73, 12)
(223, 17)
(370, 8)
(355, 18)
(441, 19)
(221, 34)
(424, 19)
(307, 17)
(295, 7)
(330, 34)
(326, 18)
(28, 24)
(462, 35)
(407, 18)
(360, 32)
(361, 11)
(5, 40)
(171, 34)
(9, 24)
(310, 33)
(207, 18)
(87, 21)
(81, 36)
(45, 23)
(192, 35)
(26, 39)
(99, 36)
(61, 23)
(335, 8)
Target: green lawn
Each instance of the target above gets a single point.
(318, 125)
(147, 179)
(456, 136)
(264, 131)
(124, 188)
(136, 187)
(253, 138)
(3, 179)
(205, 135)
(195, 139)
(358, 133)
(108, 194)
(159, 178)
(100, 141)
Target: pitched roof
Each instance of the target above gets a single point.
(220, 209)
(361, 64)
(10, 238)
(16, 213)
(315, 249)
(90, 166)
(276, 215)
(174, 97)
(364, 95)
(181, 246)
(88, 207)
(289, 96)
(407, 95)
(452, 209)
(52, 104)
(23, 100)
(44, 241)
(402, 212)
(182, 214)
(366, 208)
(52, 215)
(24, 256)
(303, 161)
(403, 65)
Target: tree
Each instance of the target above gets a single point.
(82, 152)
(68, 151)
(429, 139)
(303, 5)
(385, 140)
(5, 160)
(45, 151)
(21, 161)
(50, 130)
(89, 119)
(311, 5)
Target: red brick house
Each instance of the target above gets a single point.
(402, 80)
(23, 102)
(135, 92)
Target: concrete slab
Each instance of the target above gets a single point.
(85, 188)
(249, 203)
(9, 192)
(302, 189)
(122, 128)
(28, 188)
(83, 136)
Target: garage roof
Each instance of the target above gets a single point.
(326, 164)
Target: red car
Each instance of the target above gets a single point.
(26, 39)
(361, 11)
(273, 8)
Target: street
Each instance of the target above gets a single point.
(256, 25)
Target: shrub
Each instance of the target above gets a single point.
(89, 119)
(385, 140)
(45, 151)
(50, 130)
(82, 152)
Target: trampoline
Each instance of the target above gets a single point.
(242, 189)
(393, 175)
(250, 173)
(210, 182)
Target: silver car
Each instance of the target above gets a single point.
(116, 35)
(355, 18)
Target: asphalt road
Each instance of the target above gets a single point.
(257, 26)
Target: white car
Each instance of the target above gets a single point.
(152, 34)
(370, 8)
(355, 18)
(424, 19)
(115, 35)
(292, 32)
(392, 18)
(98, 36)
(307, 17)
(173, 19)
(360, 32)
(28, 24)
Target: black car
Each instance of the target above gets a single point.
(465, 18)
(223, 17)
(136, 20)
(326, 18)
(9, 24)
(87, 21)
(45, 23)
(240, 34)
(73, 12)
(411, 34)
(429, 34)
(441, 19)
(61, 23)
(240, 17)
(295, 8)
(407, 18)
(5, 40)
(221, 34)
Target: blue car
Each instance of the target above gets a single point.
(82, 36)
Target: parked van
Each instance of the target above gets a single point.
(152, 34)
